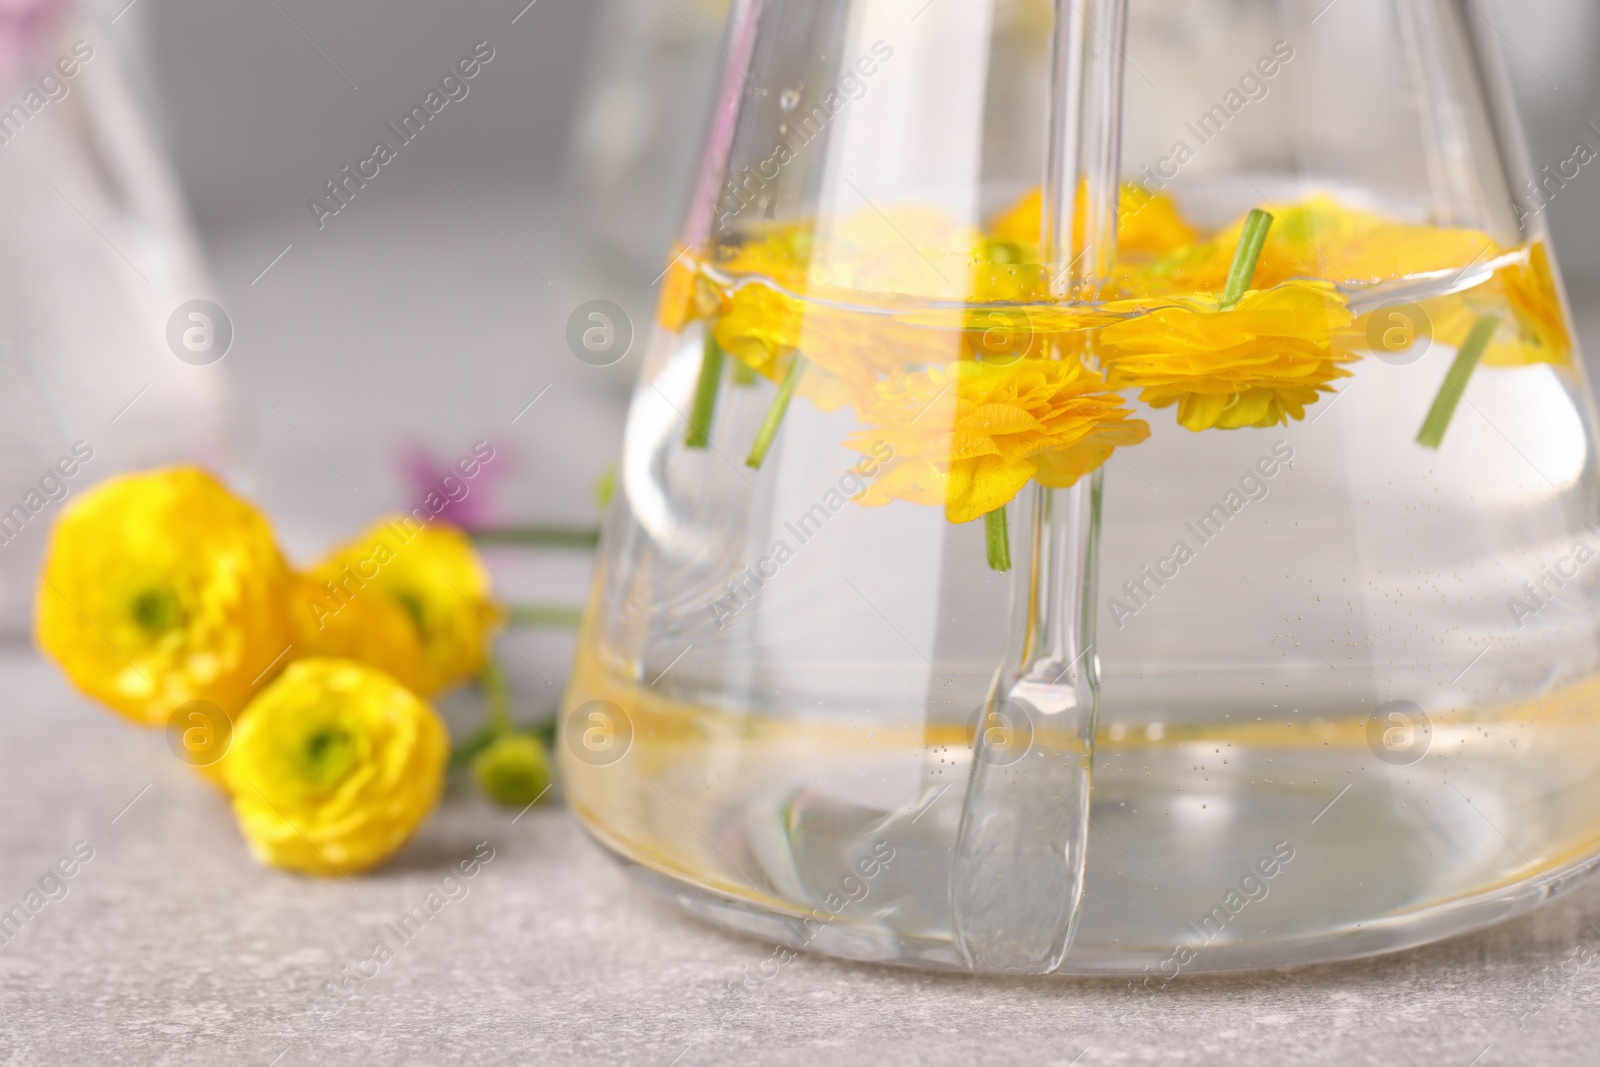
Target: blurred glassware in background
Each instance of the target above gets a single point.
(1551, 55)
(653, 70)
(1551, 58)
(640, 122)
(906, 244)
(110, 335)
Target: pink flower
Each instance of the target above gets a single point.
(468, 499)
(24, 26)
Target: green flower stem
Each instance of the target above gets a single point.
(537, 536)
(997, 534)
(744, 375)
(1246, 257)
(544, 731)
(498, 696)
(462, 753)
(705, 394)
(1455, 382)
(774, 419)
(554, 615)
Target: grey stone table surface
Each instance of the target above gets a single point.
(171, 945)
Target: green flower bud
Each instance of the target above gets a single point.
(513, 771)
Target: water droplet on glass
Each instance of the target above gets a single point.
(789, 100)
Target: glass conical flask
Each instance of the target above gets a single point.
(1110, 492)
(631, 161)
(99, 277)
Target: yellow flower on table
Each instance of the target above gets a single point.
(162, 588)
(334, 767)
(1258, 364)
(431, 577)
(969, 436)
(375, 629)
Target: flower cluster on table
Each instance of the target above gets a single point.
(303, 694)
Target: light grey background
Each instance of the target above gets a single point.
(259, 116)
(257, 119)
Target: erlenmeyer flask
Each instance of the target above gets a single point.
(1110, 490)
(631, 162)
(109, 347)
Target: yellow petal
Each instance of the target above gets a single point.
(992, 483)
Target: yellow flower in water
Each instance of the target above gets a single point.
(334, 767)
(1317, 239)
(1022, 222)
(969, 436)
(162, 588)
(1535, 298)
(437, 580)
(904, 250)
(864, 296)
(871, 305)
(1148, 224)
(779, 251)
(761, 328)
(679, 283)
(1258, 364)
(1527, 298)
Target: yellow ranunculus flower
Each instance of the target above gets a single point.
(867, 296)
(1527, 298)
(969, 436)
(1534, 296)
(1023, 221)
(848, 312)
(161, 588)
(334, 767)
(675, 309)
(431, 573)
(760, 327)
(373, 628)
(686, 295)
(1148, 224)
(1257, 364)
(1317, 239)
(940, 335)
